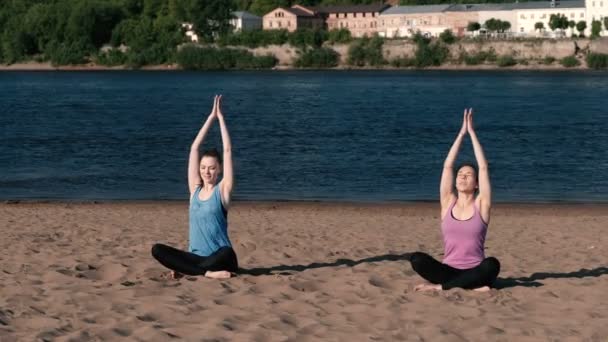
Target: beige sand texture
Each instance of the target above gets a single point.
(316, 272)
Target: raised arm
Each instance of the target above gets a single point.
(194, 175)
(446, 187)
(485, 189)
(228, 179)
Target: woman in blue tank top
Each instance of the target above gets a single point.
(210, 252)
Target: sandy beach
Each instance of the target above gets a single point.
(311, 272)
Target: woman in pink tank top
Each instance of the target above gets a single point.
(464, 224)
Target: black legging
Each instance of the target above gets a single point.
(449, 277)
(224, 259)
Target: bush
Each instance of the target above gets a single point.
(112, 57)
(478, 58)
(339, 36)
(548, 60)
(307, 37)
(570, 62)
(447, 37)
(506, 61)
(196, 58)
(67, 53)
(403, 62)
(366, 52)
(255, 38)
(318, 58)
(597, 60)
(429, 54)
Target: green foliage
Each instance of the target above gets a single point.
(113, 57)
(558, 21)
(196, 58)
(596, 28)
(474, 26)
(605, 24)
(506, 61)
(570, 61)
(478, 58)
(366, 51)
(497, 25)
(548, 60)
(597, 60)
(340, 36)
(429, 53)
(72, 31)
(580, 27)
(318, 58)
(447, 37)
(403, 62)
(255, 38)
(307, 37)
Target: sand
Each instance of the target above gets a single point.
(312, 271)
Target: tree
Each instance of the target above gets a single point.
(261, 7)
(605, 23)
(492, 24)
(447, 36)
(497, 25)
(539, 26)
(558, 22)
(596, 28)
(473, 26)
(580, 27)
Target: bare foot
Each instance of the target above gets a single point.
(218, 274)
(482, 289)
(427, 287)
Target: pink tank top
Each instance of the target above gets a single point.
(463, 240)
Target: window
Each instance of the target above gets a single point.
(363, 14)
(354, 15)
(289, 23)
(532, 16)
(593, 3)
(571, 15)
(270, 24)
(582, 15)
(601, 4)
(521, 29)
(521, 16)
(280, 24)
(543, 16)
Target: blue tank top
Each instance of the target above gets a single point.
(208, 224)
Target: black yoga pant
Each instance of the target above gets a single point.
(449, 277)
(224, 259)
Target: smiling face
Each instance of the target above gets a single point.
(466, 179)
(210, 169)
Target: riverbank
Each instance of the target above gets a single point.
(311, 271)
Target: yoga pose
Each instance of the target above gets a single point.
(465, 219)
(210, 251)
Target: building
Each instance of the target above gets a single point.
(293, 18)
(527, 14)
(245, 21)
(360, 20)
(405, 21)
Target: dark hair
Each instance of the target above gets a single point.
(212, 153)
(471, 165)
